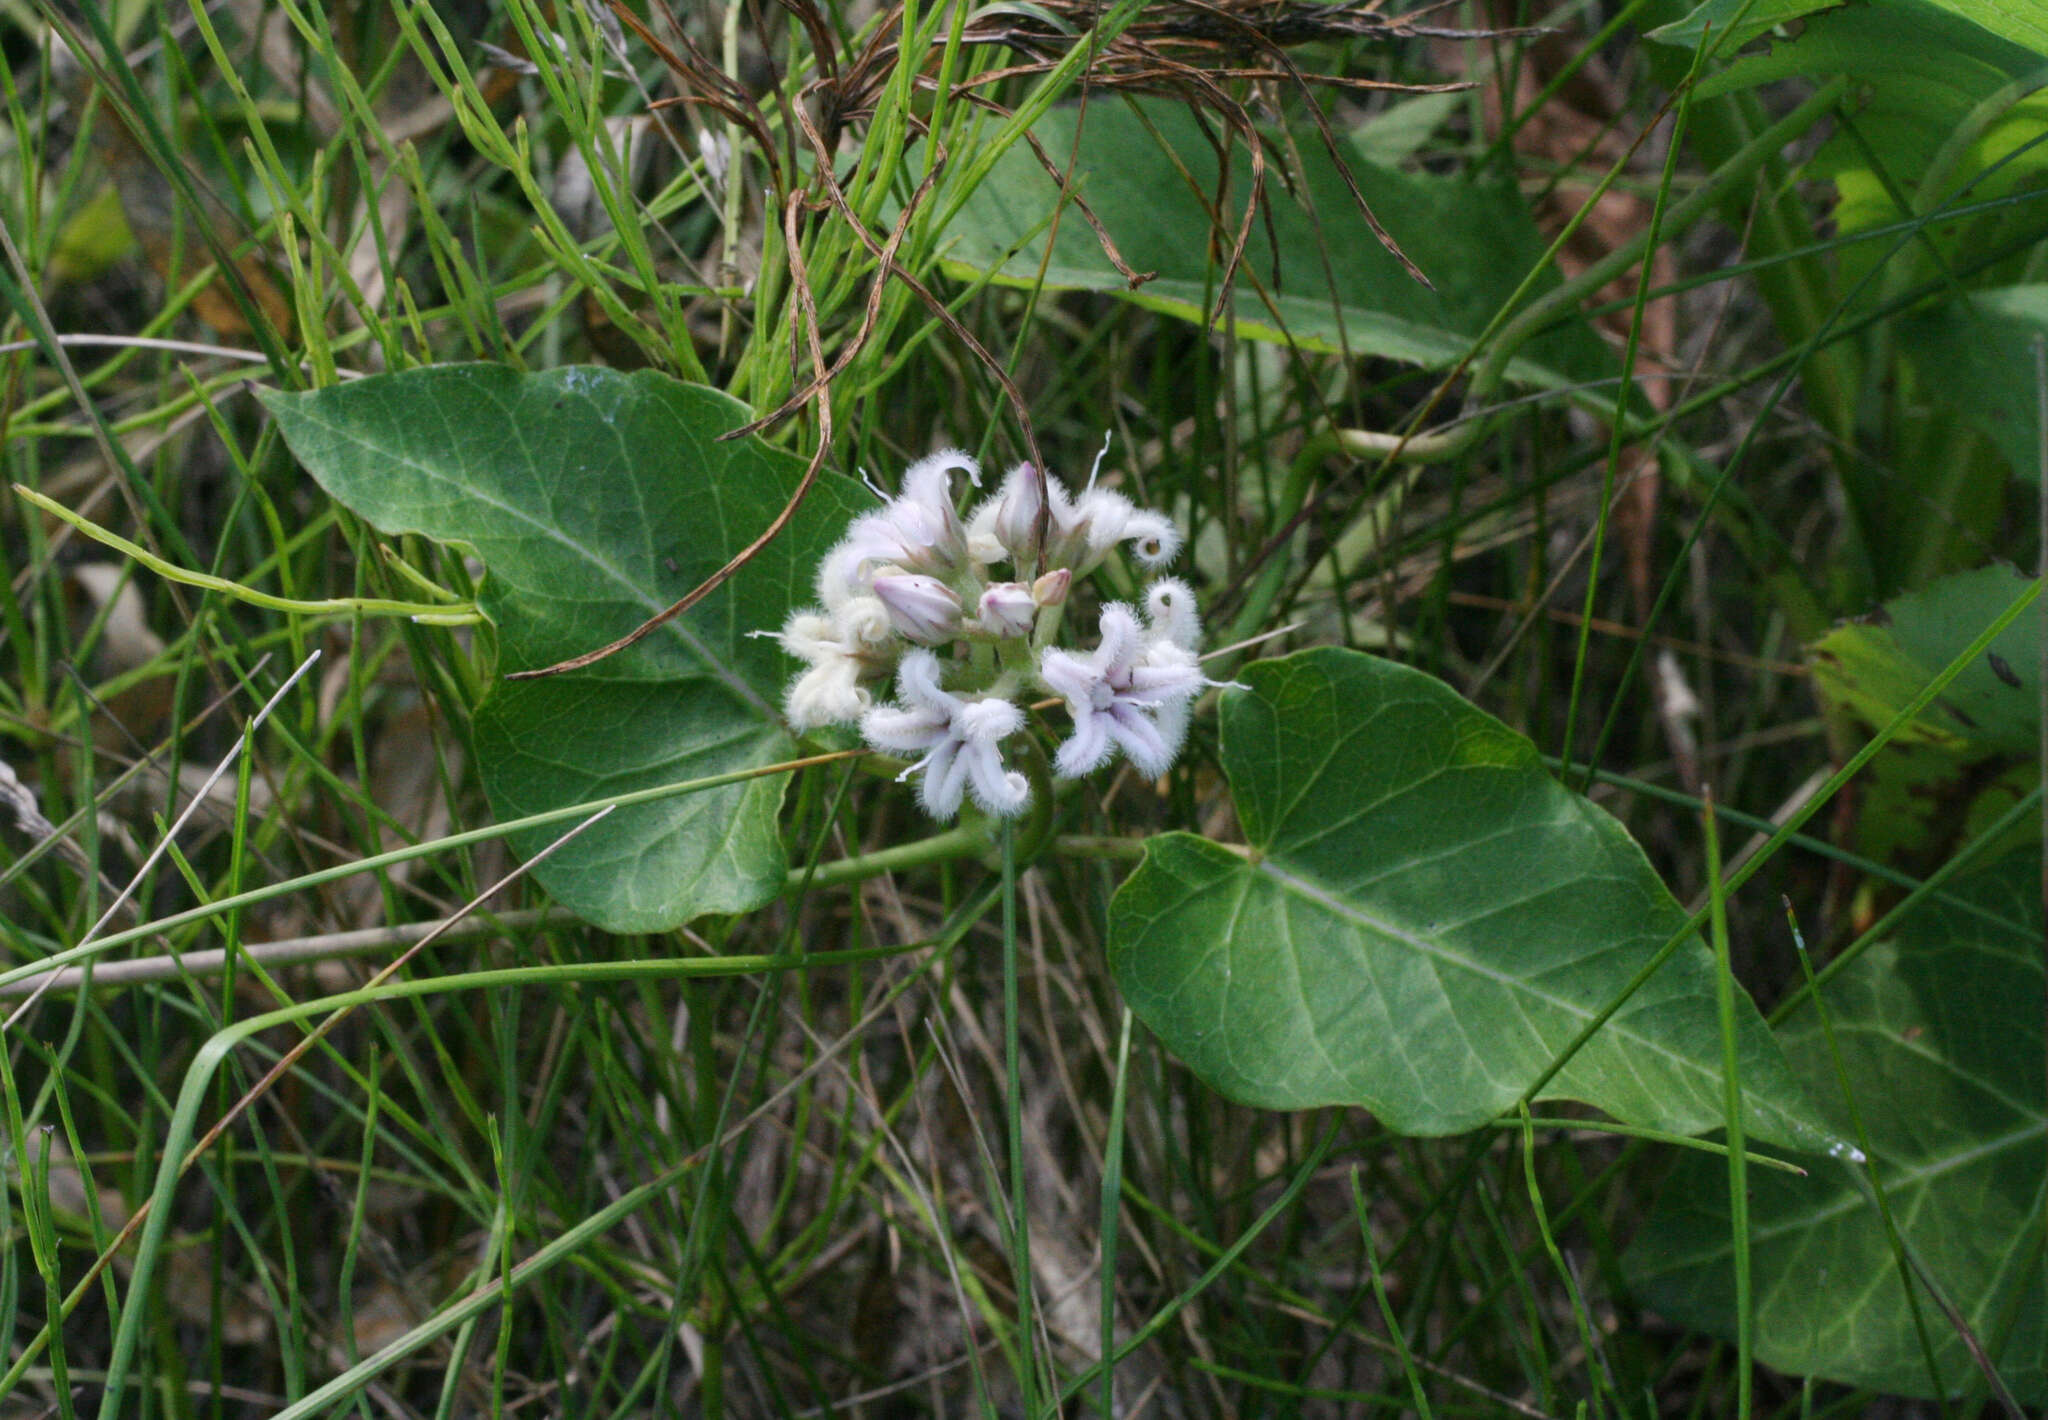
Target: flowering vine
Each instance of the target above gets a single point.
(963, 616)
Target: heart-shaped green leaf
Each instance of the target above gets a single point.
(1941, 1040)
(1425, 921)
(595, 499)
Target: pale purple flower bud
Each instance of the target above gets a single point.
(1051, 588)
(924, 609)
(1019, 511)
(1008, 609)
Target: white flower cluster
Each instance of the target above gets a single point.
(914, 576)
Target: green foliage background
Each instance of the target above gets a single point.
(1682, 501)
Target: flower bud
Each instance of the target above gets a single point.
(923, 609)
(1017, 515)
(1008, 609)
(1051, 589)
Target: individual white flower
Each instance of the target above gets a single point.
(845, 651)
(1131, 693)
(1079, 532)
(918, 530)
(830, 691)
(956, 736)
(923, 609)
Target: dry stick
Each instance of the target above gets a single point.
(1111, 253)
(1240, 122)
(286, 951)
(1133, 279)
(298, 1051)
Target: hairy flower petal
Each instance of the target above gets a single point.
(1130, 693)
(959, 738)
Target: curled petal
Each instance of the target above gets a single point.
(898, 731)
(1004, 793)
(1101, 515)
(862, 623)
(984, 722)
(807, 636)
(1170, 679)
(1171, 721)
(934, 473)
(1170, 608)
(1139, 736)
(1121, 639)
(1103, 518)
(945, 779)
(1070, 677)
(1153, 537)
(917, 680)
